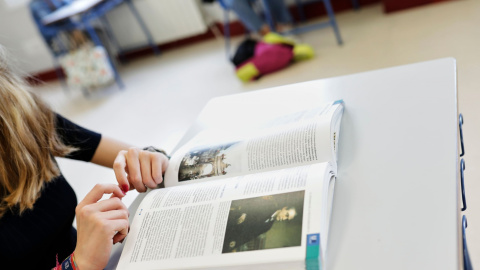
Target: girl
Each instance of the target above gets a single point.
(37, 205)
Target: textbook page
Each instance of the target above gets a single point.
(222, 223)
(301, 138)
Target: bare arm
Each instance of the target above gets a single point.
(108, 150)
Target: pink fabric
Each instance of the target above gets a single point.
(270, 57)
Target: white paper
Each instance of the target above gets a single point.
(189, 226)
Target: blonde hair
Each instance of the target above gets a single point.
(28, 142)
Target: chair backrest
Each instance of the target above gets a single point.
(223, 5)
(41, 8)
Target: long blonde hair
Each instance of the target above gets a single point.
(28, 142)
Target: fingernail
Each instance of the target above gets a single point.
(125, 188)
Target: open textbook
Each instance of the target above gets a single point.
(255, 195)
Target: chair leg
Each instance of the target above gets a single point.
(301, 10)
(143, 26)
(111, 36)
(96, 40)
(61, 49)
(60, 75)
(355, 4)
(226, 33)
(269, 16)
(333, 22)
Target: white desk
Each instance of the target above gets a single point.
(396, 203)
(75, 8)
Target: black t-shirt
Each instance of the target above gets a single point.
(33, 240)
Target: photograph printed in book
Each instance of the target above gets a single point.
(265, 222)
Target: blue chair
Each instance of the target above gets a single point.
(296, 30)
(302, 29)
(226, 26)
(98, 13)
(41, 8)
(51, 33)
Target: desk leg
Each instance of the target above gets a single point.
(355, 4)
(226, 31)
(143, 26)
(333, 22)
(112, 37)
(301, 10)
(60, 74)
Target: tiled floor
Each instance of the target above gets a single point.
(164, 94)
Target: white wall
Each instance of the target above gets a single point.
(168, 20)
(19, 34)
(214, 12)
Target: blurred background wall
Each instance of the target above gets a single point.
(167, 20)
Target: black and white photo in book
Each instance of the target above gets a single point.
(265, 222)
(205, 162)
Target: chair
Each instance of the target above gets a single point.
(297, 30)
(302, 29)
(226, 27)
(96, 14)
(99, 11)
(51, 33)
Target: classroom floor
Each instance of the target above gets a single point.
(165, 93)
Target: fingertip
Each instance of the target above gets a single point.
(118, 192)
(125, 188)
(159, 180)
(142, 189)
(166, 162)
(119, 238)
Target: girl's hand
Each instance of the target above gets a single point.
(100, 224)
(139, 169)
